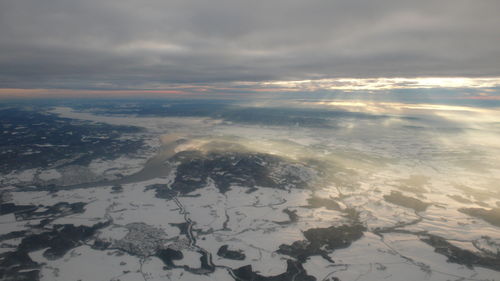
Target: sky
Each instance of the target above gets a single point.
(185, 46)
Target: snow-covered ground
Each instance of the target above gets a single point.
(358, 172)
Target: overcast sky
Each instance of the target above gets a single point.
(134, 44)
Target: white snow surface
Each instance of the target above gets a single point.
(361, 171)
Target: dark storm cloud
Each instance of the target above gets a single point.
(147, 44)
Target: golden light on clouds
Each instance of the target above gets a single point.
(352, 84)
(487, 85)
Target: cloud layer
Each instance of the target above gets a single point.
(134, 44)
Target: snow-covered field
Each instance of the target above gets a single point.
(356, 171)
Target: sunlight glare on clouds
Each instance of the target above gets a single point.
(385, 83)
